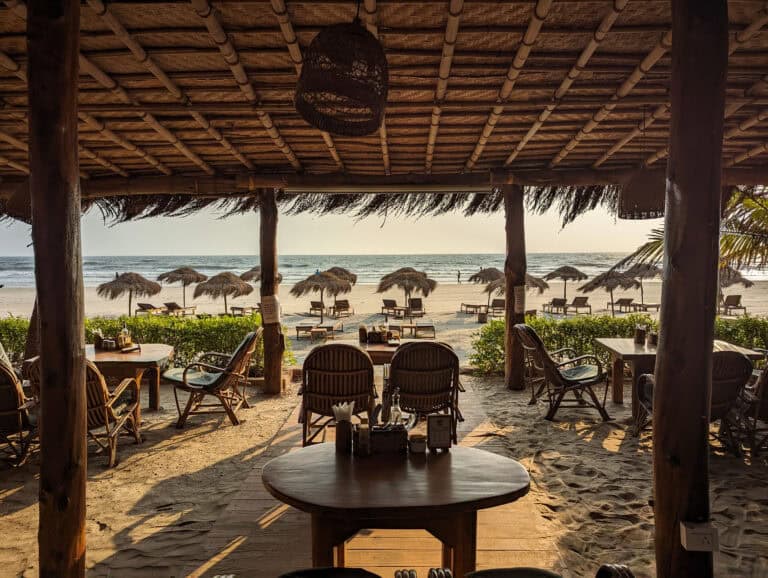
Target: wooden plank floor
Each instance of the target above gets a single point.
(257, 536)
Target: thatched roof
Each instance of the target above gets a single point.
(124, 283)
(566, 273)
(323, 282)
(184, 275)
(610, 281)
(174, 90)
(253, 275)
(224, 284)
(409, 280)
(343, 273)
(498, 285)
(486, 275)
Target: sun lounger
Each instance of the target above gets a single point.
(316, 308)
(416, 307)
(243, 311)
(471, 308)
(304, 330)
(341, 308)
(732, 303)
(646, 306)
(623, 305)
(173, 308)
(497, 308)
(425, 328)
(149, 309)
(388, 307)
(557, 305)
(335, 327)
(578, 304)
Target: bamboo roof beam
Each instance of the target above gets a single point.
(643, 68)
(204, 9)
(455, 8)
(581, 63)
(10, 64)
(141, 55)
(280, 11)
(370, 16)
(13, 164)
(540, 13)
(737, 41)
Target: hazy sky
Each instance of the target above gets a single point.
(205, 234)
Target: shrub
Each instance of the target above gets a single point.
(580, 333)
(188, 336)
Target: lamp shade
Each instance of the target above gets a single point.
(643, 196)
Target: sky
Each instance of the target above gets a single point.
(206, 234)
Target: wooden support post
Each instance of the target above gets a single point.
(53, 32)
(514, 274)
(684, 361)
(274, 341)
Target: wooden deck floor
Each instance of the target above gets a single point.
(258, 536)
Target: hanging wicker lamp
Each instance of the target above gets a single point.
(643, 197)
(343, 84)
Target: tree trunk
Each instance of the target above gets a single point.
(514, 286)
(565, 289)
(322, 306)
(32, 345)
(130, 303)
(53, 32)
(183, 295)
(274, 343)
(684, 361)
(225, 304)
(613, 310)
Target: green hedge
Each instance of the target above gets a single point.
(188, 336)
(580, 333)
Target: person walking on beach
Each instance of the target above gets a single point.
(458, 276)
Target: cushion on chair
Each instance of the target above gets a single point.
(581, 372)
(195, 377)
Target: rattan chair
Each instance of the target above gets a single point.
(219, 375)
(426, 375)
(332, 374)
(577, 375)
(108, 415)
(749, 420)
(18, 424)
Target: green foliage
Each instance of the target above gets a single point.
(580, 334)
(188, 336)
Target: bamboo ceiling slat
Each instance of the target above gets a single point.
(370, 15)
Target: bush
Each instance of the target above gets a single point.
(580, 333)
(188, 336)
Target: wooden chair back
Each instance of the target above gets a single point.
(580, 301)
(146, 306)
(239, 362)
(559, 302)
(732, 301)
(415, 304)
(389, 303)
(542, 361)
(99, 413)
(427, 375)
(336, 373)
(730, 372)
(172, 306)
(624, 301)
(12, 420)
(342, 304)
(498, 304)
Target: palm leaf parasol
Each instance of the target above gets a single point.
(322, 282)
(225, 285)
(131, 283)
(184, 275)
(729, 276)
(642, 271)
(254, 275)
(342, 273)
(531, 282)
(486, 275)
(566, 273)
(409, 280)
(610, 281)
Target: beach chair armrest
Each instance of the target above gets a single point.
(213, 357)
(569, 351)
(582, 358)
(118, 391)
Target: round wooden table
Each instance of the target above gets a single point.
(440, 493)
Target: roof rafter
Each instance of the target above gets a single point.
(540, 13)
(581, 62)
(741, 37)
(204, 9)
(20, 9)
(455, 8)
(371, 16)
(141, 55)
(18, 166)
(280, 10)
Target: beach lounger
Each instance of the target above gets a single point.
(425, 329)
(217, 375)
(243, 311)
(331, 328)
(646, 306)
(18, 426)
(316, 308)
(471, 308)
(416, 307)
(304, 329)
(149, 309)
(623, 305)
(577, 375)
(732, 303)
(341, 308)
(557, 305)
(333, 374)
(497, 308)
(173, 308)
(389, 307)
(578, 304)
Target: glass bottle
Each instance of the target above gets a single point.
(395, 413)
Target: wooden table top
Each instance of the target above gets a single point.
(316, 479)
(627, 349)
(151, 355)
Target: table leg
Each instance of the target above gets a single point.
(322, 543)
(617, 378)
(154, 390)
(447, 556)
(465, 549)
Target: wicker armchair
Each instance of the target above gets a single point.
(577, 375)
(218, 375)
(18, 424)
(748, 423)
(427, 377)
(333, 374)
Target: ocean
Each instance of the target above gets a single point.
(19, 271)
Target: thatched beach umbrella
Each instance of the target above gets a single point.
(342, 273)
(321, 282)
(184, 275)
(642, 271)
(131, 283)
(610, 281)
(254, 275)
(531, 282)
(486, 275)
(566, 273)
(223, 285)
(409, 280)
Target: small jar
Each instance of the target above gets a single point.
(417, 444)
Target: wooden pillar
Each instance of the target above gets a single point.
(514, 275)
(53, 29)
(274, 342)
(684, 362)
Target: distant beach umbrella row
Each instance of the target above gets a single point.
(610, 281)
(224, 285)
(566, 273)
(409, 281)
(324, 282)
(184, 275)
(130, 283)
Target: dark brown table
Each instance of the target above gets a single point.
(440, 493)
(642, 359)
(154, 356)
